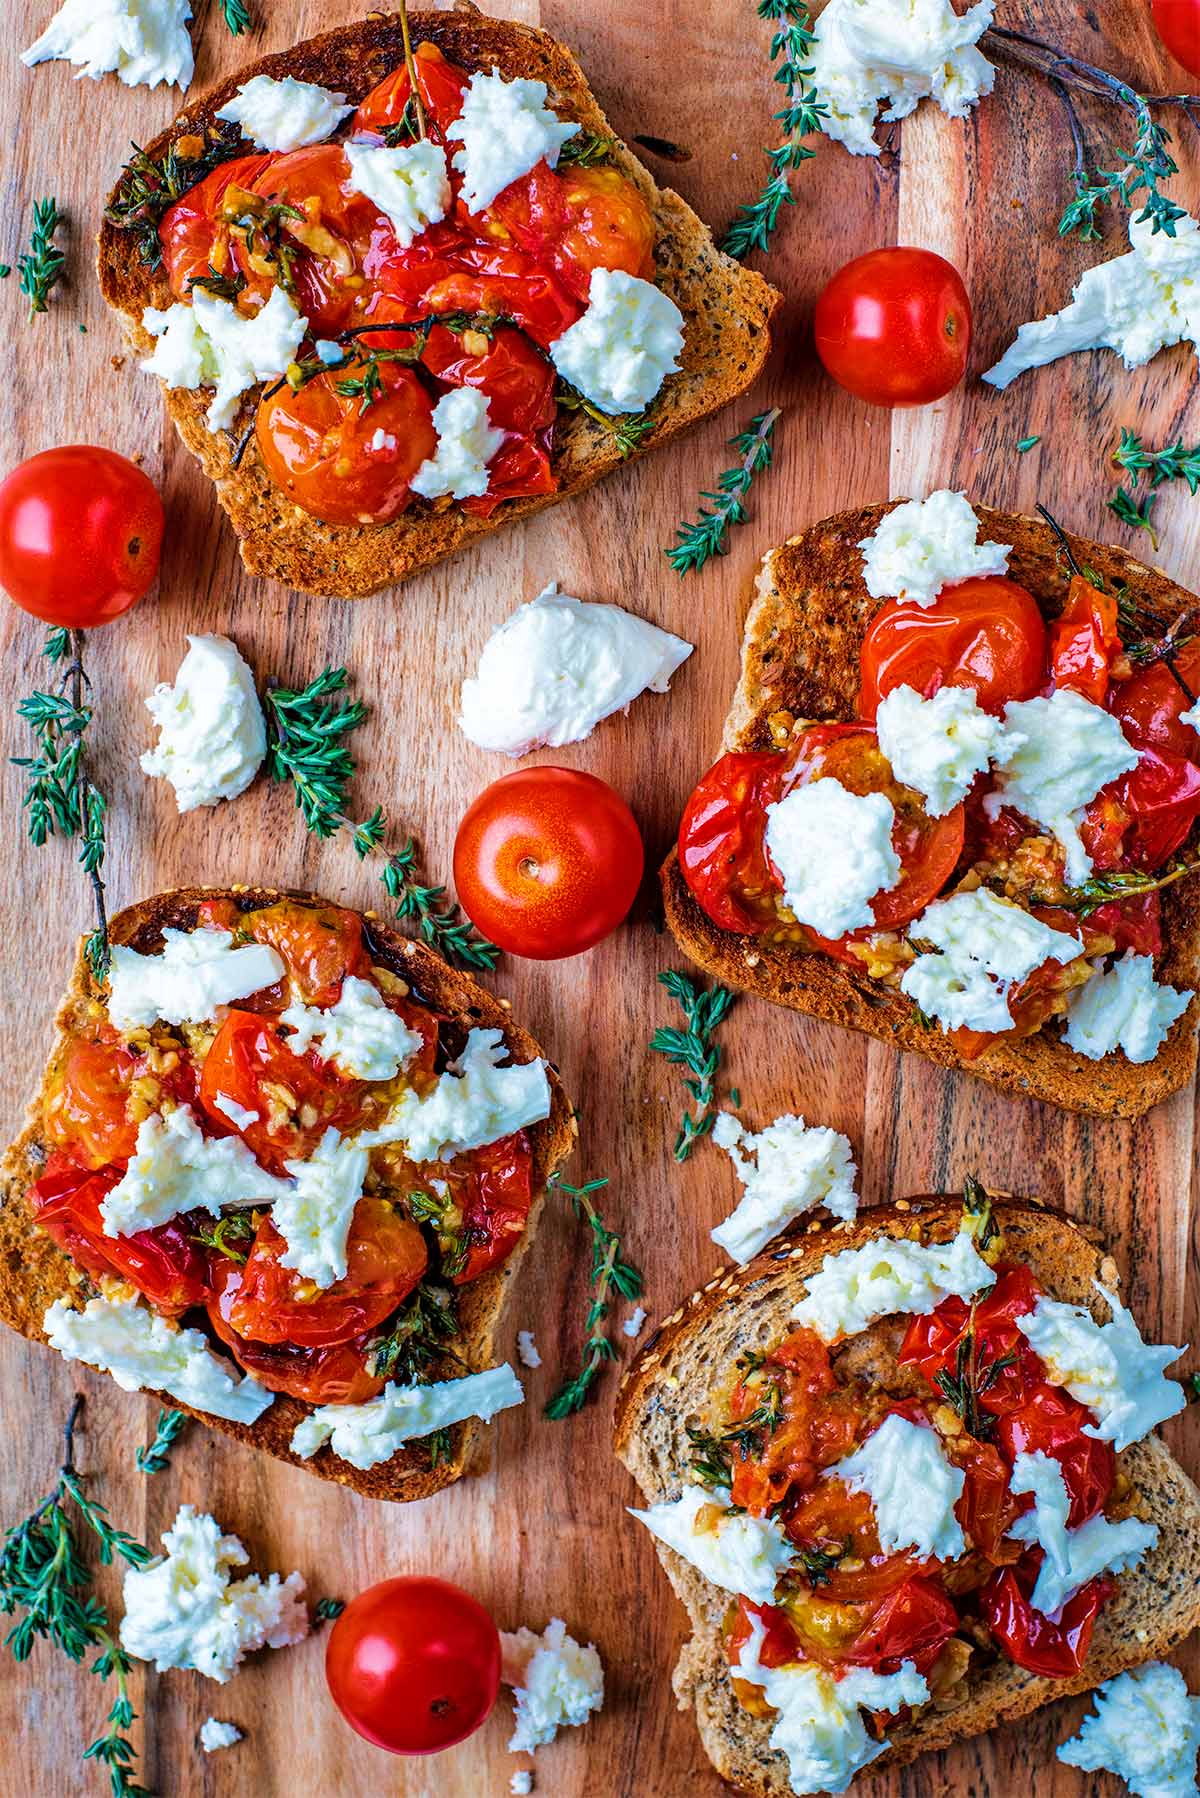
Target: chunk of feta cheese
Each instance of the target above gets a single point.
(212, 737)
(557, 1683)
(475, 1102)
(559, 665)
(360, 1034)
(505, 129)
(197, 971)
(142, 42)
(527, 1352)
(890, 1275)
(937, 745)
(364, 1435)
(1145, 1729)
(818, 1726)
(466, 443)
(521, 1783)
(1107, 1367)
(285, 114)
(1072, 1557)
(315, 1211)
(626, 344)
(740, 1554)
(186, 1610)
(904, 51)
(1136, 304)
(174, 1168)
(833, 851)
(912, 1487)
(214, 1734)
(143, 1352)
(796, 1167)
(408, 182)
(987, 947)
(1056, 755)
(211, 344)
(1124, 1008)
(923, 545)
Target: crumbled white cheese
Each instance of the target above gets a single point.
(1072, 1557)
(556, 1683)
(175, 1168)
(818, 1725)
(1145, 1729)
(913, 1488)
(143, 1352)
(214, 1734)
(851, 1289)
(408, 182)
(833, 851)
(1056, 755)
(505, 129)
(923, 545)
(741, 1554)
(212, 736)
(1136, 304)
(475, 1102)
(314, 1212)
(142, 42)
(285, 114)
(1124, 1008)
(559, 665)
(904, 51)
(466, 443)
(240, 1116)
(635, 1322)
(937, 745)
(988, 946)
(196, 971)
(626, 344)
(186, 1610)
(364, 1435)
(1107, 1367)
(211, 344)
(527, 1349)
(1045, 1526)
(521, 1783)
(795, 1168)
(361, 1035)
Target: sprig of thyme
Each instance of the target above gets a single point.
(627, 429)
(694, 1049)
(1156, 467)
(40, 267)
(227, 1234)
(965, 1387)
(148, 187)
(1134, 510)
(418, 1337)
(610, 1273)
(235, 15)
(154, 1459)
(585, 150)
(801, 116)
(327, 1610)
(696, 543)
(1102, 889)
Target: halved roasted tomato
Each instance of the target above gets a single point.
(493, 1188)
(986, 634)
(193, 236)
(335, 1374)
(442, 85)
(293, 1098)
(165, 1264)
(1052, 1647)
(86, 1111)
(517, 379)
(319, 944)
(446, 271)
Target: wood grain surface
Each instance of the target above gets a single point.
(543, 1531)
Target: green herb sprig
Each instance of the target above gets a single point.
(694, 1049)
(154, 1459)
(40, 268)
(696, 543)
(1156, 467)
(585, 150)
(1135, 511)
(610, 1273)
(978, 1218)
(418, 1337)
(1102, 889)
(147, 187)
(229, 1235)
(791, 43)
(327, 1610)
(627, 429)
(236, 16)
(965, 1387)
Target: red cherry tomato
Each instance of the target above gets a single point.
(320, 945)
(1142, 817)
(164, 1264)
(80, 534)
(913, 1623)
(1052, 1422)
(446, 271)
(334, 1373)
(1150, 704)
(442, 87)
(326, 244)
(1178, 25)
(780, 1643)
(518, 380)
(577, 221)
(414, 1665)
(722, 849)
(194, 239)
(894, 327)
(1084, 640)
(547, 862)
(985, 634)
(85, 1111)
(1052, 1649)
(249, 1055)
(493, 1188)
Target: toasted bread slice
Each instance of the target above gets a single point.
(727, 310)
(678, 1368)
(34, 1271)
(800, 657)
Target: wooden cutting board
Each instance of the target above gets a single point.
(543, 1532)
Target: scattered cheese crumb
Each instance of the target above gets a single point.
(555, 1680)
(521, 1782)
(634, 1322)
(214, 1734)
(795, 1168)
(527, 1349)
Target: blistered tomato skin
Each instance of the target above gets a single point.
(194, 240)
(164, 1264)
(338, 462)
(1053, 1648)
(986, 634)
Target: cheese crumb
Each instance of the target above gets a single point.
(505, 129)
(937, 745)
(195, 972)
(1124, 1008)
(888, 1276)
(366, 1434)
(913, 1488)
(215, 1734)
(360, 1034)
(626, 344)
(475, 1102)
(527, 1349)
(408, 182)
(315, 1211)
(904, 51)
(1107, 1367)
(833, 851)
(923, 545)
(521, 1783)
(466, 443)
(175, 1167)
(796, 1167)
(1056, 754)
(556, 1681)
(741, 1554)
(1071, 1557)
(635, 1322)
(1145, 1729)
(211, 344)
(988, 946)
(212, 735)
(285, 114)
(142, 42)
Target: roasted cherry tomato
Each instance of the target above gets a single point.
(442, 88)
(933, 1340)
(385, 1257)
(722, 840)
(819, 1425)
(194, 239)
(85, 1108)
(446, 271)
(1084, 641)
(304, 224)
(80, 534)
(1053, 1649)
(780, 1643)
(335, 1374)
(520, 468)
(1177, 23)
(577, 221)
(250, 1063)
(518, 380)
(986, 1508)
(894, 327)
(339, 462)
(319, 944)
(1141, 818)
(1051, 1422)
(493, 1189)
(985, 634)
(165, 1264)
(913, 1623)
(547, 862)
(414, 1665)
(1149, 705)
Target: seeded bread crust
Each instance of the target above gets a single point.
(34, 1271)
(670, 1385)
(727, 310)
(800, 656)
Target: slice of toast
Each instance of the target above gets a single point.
(34, 1271)
(800, 657)
(669, 1385)
(726, 308)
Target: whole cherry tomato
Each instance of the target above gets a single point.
(1178, 25)
(414, 1665)
(986, 634)
(547, 862)
(165, 1264)
(894, 327)
(80, 533)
